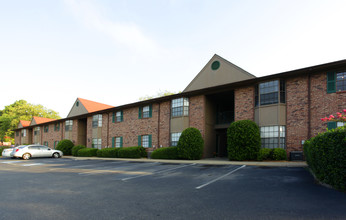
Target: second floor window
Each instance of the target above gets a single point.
(46, 129)
(57, 127)
(97, 121)
(180, 107)
(36, 131)
(68, 125)
(24, 133)
(271, 92)
(145, 111)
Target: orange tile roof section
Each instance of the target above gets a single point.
(92, 106)
(40, 120)
(25, 123)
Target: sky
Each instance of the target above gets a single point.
(116, 51)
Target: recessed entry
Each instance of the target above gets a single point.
(215, 65)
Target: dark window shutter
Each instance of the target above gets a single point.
(140, 112)
(113, 118)
(113, 141)
(121, 141)
(150, 142)
(122, 116)
(331, 125)
(150, 111)
(139, 140)
(331, 82)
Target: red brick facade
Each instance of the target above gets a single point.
(244, 103)
(196, 113)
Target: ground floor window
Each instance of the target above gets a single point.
(340, 124)
(117, 142)
(97, 143)
(145, 141)
(175, 138)
(273, 136)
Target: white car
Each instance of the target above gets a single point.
(7, 152)
(28, 151)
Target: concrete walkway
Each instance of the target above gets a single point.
(208, 161)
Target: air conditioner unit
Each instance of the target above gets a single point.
(296, 156)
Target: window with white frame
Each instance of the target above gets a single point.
(340, 124)
(180, 107)
(341, 81)
(119, 116)
(273, 137)
(24, 133)
(146, 110)
(68, 125)
(118, 141)
(97, 121)
(175, 138)
(145, 140)
(36, 131)
(271, 92)
(97, 143)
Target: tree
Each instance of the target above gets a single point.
(158, 94)
(21, 110)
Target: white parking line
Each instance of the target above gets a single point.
(162, 171)
(210, 182)
(32, 164)
(12, 162)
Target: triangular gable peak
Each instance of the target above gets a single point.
(84, 106)
(39, 120)
(217, 71)
(23, 124)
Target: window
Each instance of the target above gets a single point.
(57, 127)
(334, 124)
(270, 93)
(273, 136)
(174, 139)
(336, 82)
(45, 143)
(144, 141)
(97, 121)
(56, 144)
(117, 142)
(180, 107)
(36, 131)
(24, 133)
(46, 129)
(145, 112)
(118, 116)
(97, 143)
(68, 125)
(17, 133)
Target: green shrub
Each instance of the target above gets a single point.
(3, 148)
(65, 146)
(243, 140)
(265, 154)
(165, 153)
(75, 149)
(87, 152)
(131, 152)
(108, 152)
(326, 156)
(279, 154)
(190, 144)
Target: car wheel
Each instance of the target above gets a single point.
(56, 155)
(26, 156)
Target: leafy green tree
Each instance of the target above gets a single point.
(21, 110)
(158, 94)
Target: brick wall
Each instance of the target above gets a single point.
(297, 112)
(89, 140)
(51, 135)
(164, 126)
(244, 103)
(197, 113)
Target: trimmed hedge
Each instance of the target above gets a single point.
(190, 144)
(65, 146)
(3, 148)
(108, 152)
(243, 140)
(87, 152)
(272, 154)
(326, 156)
(165, 153)
(75, 149)
(132, 152)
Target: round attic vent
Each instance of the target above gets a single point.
(215, 65)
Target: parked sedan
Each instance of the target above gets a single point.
(26, 152)
(7, 152)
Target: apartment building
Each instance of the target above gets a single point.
(287, 107)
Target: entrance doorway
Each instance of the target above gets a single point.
(82, 130)
(221, 143)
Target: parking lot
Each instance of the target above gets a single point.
(110, 189)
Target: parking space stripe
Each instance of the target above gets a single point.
(214, 180)
(161, 171)
(32, 164)
(12, 162)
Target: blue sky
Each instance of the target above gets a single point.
(114, 51)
